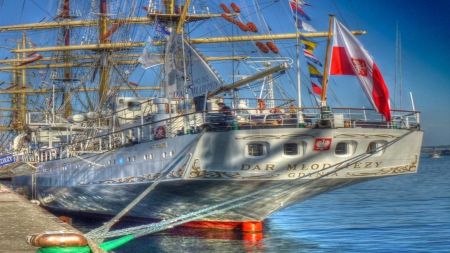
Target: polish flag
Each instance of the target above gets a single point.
(350, 58)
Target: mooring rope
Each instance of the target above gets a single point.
(155, 227)
(103, 229)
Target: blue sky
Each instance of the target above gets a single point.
(425, 32)
(425, 36)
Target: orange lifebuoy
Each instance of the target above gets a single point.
(160, 132)
(57, 239)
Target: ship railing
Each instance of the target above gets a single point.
(311, 117)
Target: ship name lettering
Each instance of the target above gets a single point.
(368, 165)
(378, 163)
(356, 166)
(317, 175)
(160, 145)
(257, 167)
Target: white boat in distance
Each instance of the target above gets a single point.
(96, 141)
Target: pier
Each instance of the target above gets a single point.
(20, 218)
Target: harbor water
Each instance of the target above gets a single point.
(408, 213)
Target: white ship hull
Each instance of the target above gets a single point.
(218, 168)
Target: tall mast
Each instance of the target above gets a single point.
(67, 75)
(104, 71)
(325, 74)
(23, 97)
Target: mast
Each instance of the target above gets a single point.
(23, 97)
(325, 71)
(104, 71)
(67, 75)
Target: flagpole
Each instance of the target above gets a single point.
(325, 74)
(300, 121)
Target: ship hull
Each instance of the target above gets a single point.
(214, 168)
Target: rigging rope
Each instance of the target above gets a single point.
(94, 234)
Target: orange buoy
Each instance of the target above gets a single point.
(263, 47)
(235, 8)
(225, 8)
(57, 239)
(251, 226)
(272, 47)
(252, 27)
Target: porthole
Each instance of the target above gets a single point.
(151, 156)
(164, 154)
(374, 148)
(256, 149)
(345, 148)
(134, 158)
(294, 149)
(128, 159)
(171, 153)
(145, 157)
(342, 148)
(291, 149)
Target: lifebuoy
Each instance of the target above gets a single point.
(160, 132)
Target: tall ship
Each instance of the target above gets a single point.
(198, 104)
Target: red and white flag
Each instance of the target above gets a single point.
(350, 58)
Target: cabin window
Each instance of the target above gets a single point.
(291, 149)
(342, 148)
(145, 157)
(164, 154)
(151, 156)
(373, 146)
(171, 153)
(134, 106)
(134, 158)
(345, 148)
(255, 149)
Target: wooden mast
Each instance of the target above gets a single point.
(67, 75)
(325, 74)
(104, 70)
